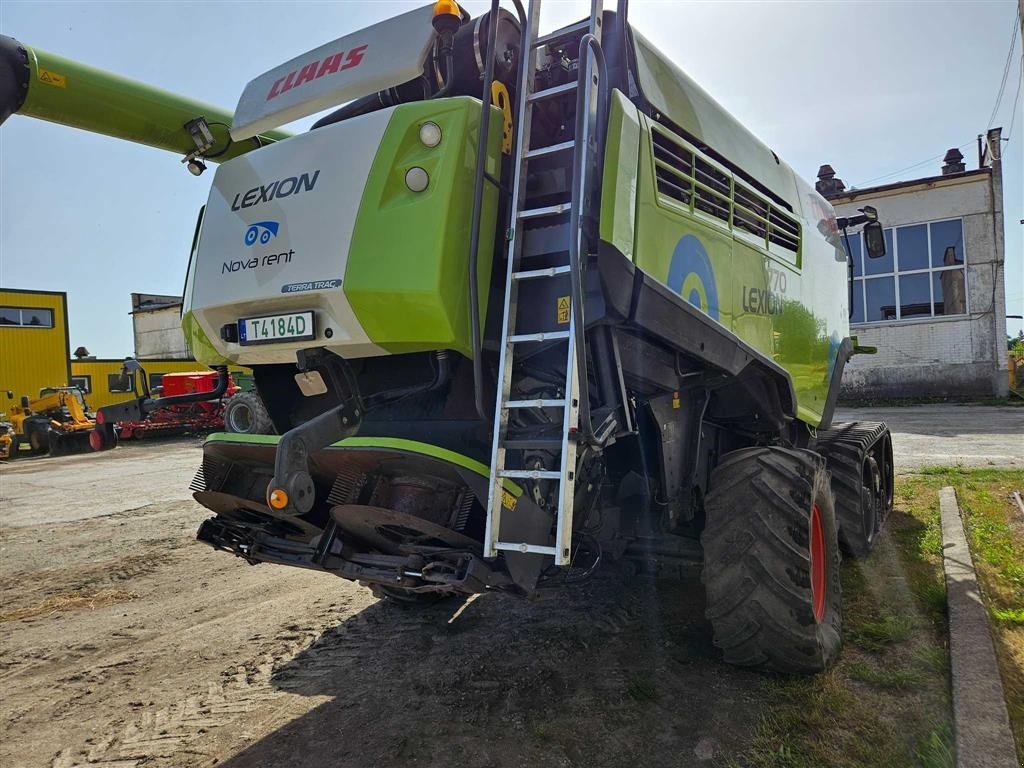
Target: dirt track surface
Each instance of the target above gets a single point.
(126, 643)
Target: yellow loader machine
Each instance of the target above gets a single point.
(521, 305)
(56, 422)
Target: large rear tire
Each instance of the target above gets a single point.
(246, 414)
(771, 561)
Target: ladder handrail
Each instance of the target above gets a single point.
(590, 46)
(478, 194)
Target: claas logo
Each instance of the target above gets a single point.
(262, 231)
(337, 62)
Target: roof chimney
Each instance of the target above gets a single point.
(953, 162)
(828, 185)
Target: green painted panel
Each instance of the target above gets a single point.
(762, 297)
(393, 443)
(685, 103)
(199, 343)
(63, 91)
(618, 187)
(406, 276)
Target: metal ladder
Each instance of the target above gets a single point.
(512, 336)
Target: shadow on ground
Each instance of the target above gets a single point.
(607, 675)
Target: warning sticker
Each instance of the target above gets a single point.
(508, 501)
(52, 78)
(563, 309)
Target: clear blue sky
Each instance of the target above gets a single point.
(870, 87)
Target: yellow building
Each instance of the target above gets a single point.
(33, 342)
(99, 379)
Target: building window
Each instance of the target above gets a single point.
(118, 383)
(923, 274)
(156, 380)
(26, 317)
(84, 383)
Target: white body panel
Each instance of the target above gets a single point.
(384, 55)
(301, 198)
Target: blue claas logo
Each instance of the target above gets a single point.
(262, 231)
(691, 275)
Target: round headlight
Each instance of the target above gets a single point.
(416, 179)
(430, 134)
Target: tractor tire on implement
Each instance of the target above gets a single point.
(246, 414)
(859, 457)
(771, 561)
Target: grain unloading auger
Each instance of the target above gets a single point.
(523, 304)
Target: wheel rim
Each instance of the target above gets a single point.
(817, 564)
(241, 419)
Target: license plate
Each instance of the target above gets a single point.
(294, 326)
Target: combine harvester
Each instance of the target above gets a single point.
(587, 318)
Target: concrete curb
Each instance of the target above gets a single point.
(980, 723)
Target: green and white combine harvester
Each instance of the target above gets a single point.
(589, 318)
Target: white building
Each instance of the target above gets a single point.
(935, 304)
(156, 321)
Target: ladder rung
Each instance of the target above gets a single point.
(535, 337)
(556, 90)
(558, 34)
(547, 210)
(535, 443)
(530, 274)
(539, 403)
(550, 149)
(531, 474)
(535, 549)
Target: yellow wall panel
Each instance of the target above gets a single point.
(32, 357)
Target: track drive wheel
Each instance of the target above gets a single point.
(859, 458)
(771, 561)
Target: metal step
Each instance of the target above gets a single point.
(547, 210)
(548, 93)
(534, 549)
(539, 403)
(560, 34)
(533, 338)
(530, 274)
(532, 443)
(530, 474)
(550, 149)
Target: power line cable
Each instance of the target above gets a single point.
(1016, 99)
(1006, 71)
(910, 167)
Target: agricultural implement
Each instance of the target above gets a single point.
(56, 422)
(522, 305)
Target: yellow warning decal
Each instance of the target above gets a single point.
(52, 78)
(563, 309)
(508, 501)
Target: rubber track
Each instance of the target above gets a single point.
(757, 561)
(844, 447)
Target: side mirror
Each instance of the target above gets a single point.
(874, 239)
(10, 395)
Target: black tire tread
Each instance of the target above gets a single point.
(757, 561)
(261, 421)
